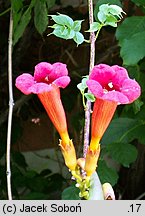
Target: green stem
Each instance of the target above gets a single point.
(99, 31)
(83, 98)
(6, 11)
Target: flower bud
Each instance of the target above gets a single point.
(108, 191)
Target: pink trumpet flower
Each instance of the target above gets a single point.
(111, 86)
(46, 83)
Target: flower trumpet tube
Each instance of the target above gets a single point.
(46, 83)
(54, 108)
(103, 112)
(111, 86)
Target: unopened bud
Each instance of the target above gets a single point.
(81, 163)
(108, 191)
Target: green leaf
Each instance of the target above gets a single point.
(139, 134)
(71, 33)
(131, 36)
(101, 2)
(90, 97)
(101, 16)
(84, 80)
(110, 11)
(123, 153)
(81, 87)
(77, 25)
(104, 8)
(134, 72)
(132, 50)
(63, 19)
(25, 19)
(50, 3)
(116, 10)
(78, 38)
(30, 174)
(19, 159)
(119, 130)
(66, 28)
(95, 26)
(71, 193)
(63, 32)
(40, 16)
(95, 191)
(137, 105)
(38, 184)
(59, 31)
(139, 2)
(111, 20)
(107, 174)
(129, 27)
(16, 18)
(141, 115)
(16, 6)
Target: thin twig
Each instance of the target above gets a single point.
(11, 104)
(6, 11)
(140, 196)
(92, 60)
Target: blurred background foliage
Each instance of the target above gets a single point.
(38, 170)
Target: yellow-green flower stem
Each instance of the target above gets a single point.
(82, 183)
(83, 98)
(97, 34)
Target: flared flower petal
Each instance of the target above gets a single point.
(116, 96)
(62, 82)
(95, 87)
(45, 75)
(42, 71)
(24, 82)
(113, 83)
(59, 70)
(120, 75)
(131, 89)
(102, 73)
